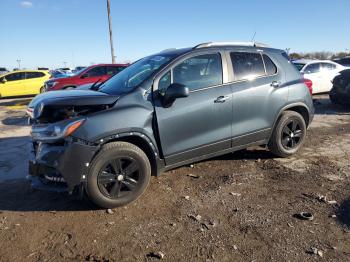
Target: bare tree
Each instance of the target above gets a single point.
(322, 55)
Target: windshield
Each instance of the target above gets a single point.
(135, 74)
(299, 66)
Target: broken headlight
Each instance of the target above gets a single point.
(55, 132)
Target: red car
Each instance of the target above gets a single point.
(88, 75)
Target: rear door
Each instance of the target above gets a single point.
(33, 82)
(328, 72)
(199, 124)
(258, 93)
(312, 72)
(14, 85)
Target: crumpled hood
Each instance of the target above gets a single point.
(69, 99)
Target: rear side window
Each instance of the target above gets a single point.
(312, 68)
(247, 65)
(327, 66)
(112, 70)
(199, 71)
(299, 66)
(15, 77)
(30, 75)
(270, 66)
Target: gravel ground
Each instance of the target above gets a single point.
(238, 207)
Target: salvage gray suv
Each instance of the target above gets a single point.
(164, 111)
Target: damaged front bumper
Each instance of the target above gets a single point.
(61, 166)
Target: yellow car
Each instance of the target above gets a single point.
(24, 82)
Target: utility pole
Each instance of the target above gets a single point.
(19, 63)
(64, 63)
(110, 30)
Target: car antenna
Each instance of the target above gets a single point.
(253, 37)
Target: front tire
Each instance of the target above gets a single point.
(288, 135)
(118, 175)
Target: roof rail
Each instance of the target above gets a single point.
(168, 49)
(211, 44)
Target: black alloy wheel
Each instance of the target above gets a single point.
(288, 135)
(292, 134)
(119, 177)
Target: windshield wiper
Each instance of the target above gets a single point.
(94, 86)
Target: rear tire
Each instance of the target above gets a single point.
(289, 134)
(118, 175)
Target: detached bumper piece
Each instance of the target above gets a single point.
(59, 168)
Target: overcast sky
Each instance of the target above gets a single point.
(49, 32)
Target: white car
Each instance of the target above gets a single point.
(320, 72)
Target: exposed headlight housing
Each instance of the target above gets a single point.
(51, 133)
(38, 109)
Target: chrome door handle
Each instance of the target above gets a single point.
(275, 84)
(221, 99)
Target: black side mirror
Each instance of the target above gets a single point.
(84, 76)
(3, 80)
(173, 92)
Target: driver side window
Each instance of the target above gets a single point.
(199, 71)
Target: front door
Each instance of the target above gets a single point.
(95, 74)
(14, 85)
(199, 124)
(328, 72)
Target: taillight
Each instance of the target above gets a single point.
(308, 83)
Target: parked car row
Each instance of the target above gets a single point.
(32, 82)
(320, 72)
(163, 111)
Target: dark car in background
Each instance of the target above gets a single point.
(3, 71)
(345, 61)
(167, 110)
(340, 93)
(89, 75)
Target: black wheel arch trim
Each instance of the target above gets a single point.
(289, 106)
(157, 162)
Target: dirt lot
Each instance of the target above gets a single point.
(239, 207)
